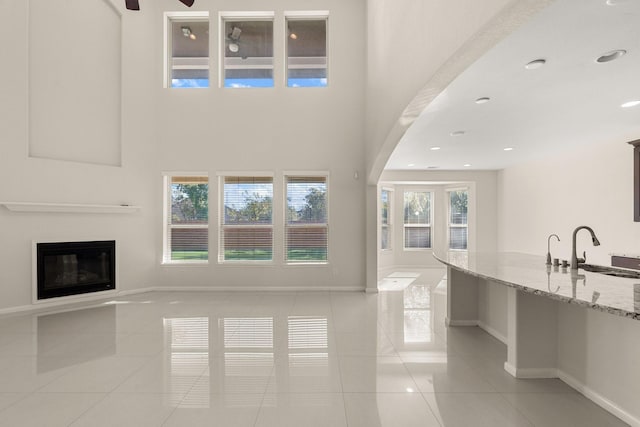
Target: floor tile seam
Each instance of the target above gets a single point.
(135, 371)
(515, 408)
(257, 416)
(90, 406)
(26, 395)
(414, 378)
(55, 378)
(431, 410)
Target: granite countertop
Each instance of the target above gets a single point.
(528, 273)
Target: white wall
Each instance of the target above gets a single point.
(482, 213)
(401, 83)
(397, 72)
(591, 186)
(273, 130)
(175, 130)
(32, 179)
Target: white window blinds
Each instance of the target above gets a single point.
(187, 228)
(417, 220)
(458, 221)
(306, 225)
(246, 229)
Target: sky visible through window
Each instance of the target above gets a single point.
(248, 83)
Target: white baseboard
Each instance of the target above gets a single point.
(599, 400)
(62, 302)
(530, 373)
(450, 322)
(492, 331)
(260, 288)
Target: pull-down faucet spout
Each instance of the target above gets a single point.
(575, 261)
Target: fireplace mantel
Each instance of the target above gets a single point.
(68, 207)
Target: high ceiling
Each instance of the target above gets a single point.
(569, 102)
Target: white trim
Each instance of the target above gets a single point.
(599, 399)
(263, 174)
(529, 373)
(306, 14)
(262, 288)
(493, 332)
(247, 14)
(311, 174)
(183, 263)
(94, 297)
(47, 304)
(450, 322)
(180, 173)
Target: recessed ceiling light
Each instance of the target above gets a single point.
(458, 133)
(616, 2)
(483, 100)
(611, 55)
(630, 104)
(435, 148)
(536, 63)
(466, 165)
(411, 165)
(508, 149)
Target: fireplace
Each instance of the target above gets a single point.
(73, 268)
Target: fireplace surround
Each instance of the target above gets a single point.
(75, 268)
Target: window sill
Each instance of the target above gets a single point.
(184, 263)
(306, 264)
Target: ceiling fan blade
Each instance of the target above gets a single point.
(132, 4)
(187, 3)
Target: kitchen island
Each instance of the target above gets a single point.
(580, 326)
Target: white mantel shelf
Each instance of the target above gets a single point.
(69, 208)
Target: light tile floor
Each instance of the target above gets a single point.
(271, 359)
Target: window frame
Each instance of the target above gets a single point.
(636, 180)
(430, 225)
(221, 226)
(184, 16)
(311, 15)
(223, 17)
(448, 191)
(166, 220)
(390, 216)
(310, 174)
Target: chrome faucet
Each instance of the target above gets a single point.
(549, 247)
(575, 261)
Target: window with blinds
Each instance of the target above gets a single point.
(246, 220)
(187, 219)
(417, 219)
(385, 219)
(306, 224)
(458, 221)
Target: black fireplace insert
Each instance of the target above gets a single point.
(72, 268)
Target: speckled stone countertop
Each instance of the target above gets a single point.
(528, 273)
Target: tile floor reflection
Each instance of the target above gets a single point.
(271, 359)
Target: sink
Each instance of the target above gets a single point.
(611, 271)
